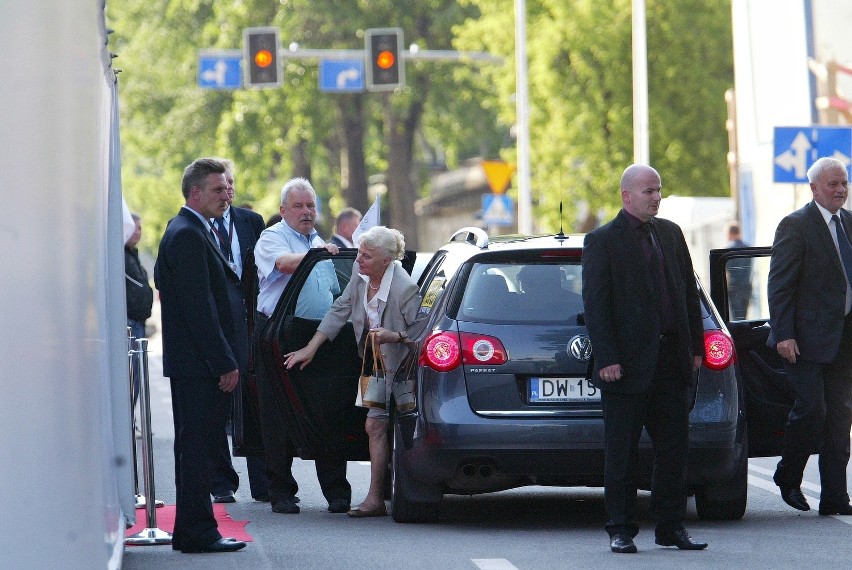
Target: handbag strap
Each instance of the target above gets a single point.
(368, 345)
(378, 362)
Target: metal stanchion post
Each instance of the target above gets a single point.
(131, 371)
(151, 534)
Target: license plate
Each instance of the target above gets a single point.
(563, 390)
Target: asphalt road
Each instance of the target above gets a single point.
(524, 529)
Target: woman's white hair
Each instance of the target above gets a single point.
(385, 239)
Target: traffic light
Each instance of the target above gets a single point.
(385, 68)
(260, 54)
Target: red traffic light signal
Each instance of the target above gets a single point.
(384, 66)
(385, 60)
(263, 58)
(260, 56)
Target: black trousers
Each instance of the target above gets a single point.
(663, 411)
(819, 422)
(331, 469)
(199, 408)
(224, 476)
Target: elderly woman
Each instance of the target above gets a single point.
(385, 300)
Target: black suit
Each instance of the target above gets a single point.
(204, 336)
(247, 225)
(623, 315)
(335, 239)
(807, 302)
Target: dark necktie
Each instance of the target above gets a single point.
(844, 246)
(224, 237)
(658, 269)
(656, 254)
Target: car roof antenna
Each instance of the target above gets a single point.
(561, 235)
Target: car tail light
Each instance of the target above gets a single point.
(481, 349)
(441, 352)
(444, 351)
(718, 350)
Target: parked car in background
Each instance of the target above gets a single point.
(502, 383)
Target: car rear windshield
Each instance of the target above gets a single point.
(510, 293)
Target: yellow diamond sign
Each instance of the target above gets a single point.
(499, 174)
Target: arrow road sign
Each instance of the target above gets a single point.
(341, 75)
(797, 148)
(497, 210)
(219, 69)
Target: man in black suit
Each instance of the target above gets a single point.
(237, 231)
(344, 226)
(644, 319)
(809, 311)
(204, 346)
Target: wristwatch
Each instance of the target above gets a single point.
(402, 336)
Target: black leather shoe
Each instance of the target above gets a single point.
(681, 539)
(285, 506)
(221, 545)
(622, 544)
(226, 497)
(793, 496)
(339, 506)
(830, 509)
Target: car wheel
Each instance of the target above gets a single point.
(726, 502)
(404, 510)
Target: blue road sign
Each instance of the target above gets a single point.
(219, 70)
(797, 148)
(341, 75)
(497, 210)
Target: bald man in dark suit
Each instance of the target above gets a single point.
(205, 344)
(809, 312)
(643, 316)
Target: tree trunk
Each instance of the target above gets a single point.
(355, 184)
(301, 161)
(402, 190)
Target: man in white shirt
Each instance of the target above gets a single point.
(278, 252)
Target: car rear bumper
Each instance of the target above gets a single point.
(490, 454)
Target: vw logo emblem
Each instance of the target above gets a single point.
(580, 348)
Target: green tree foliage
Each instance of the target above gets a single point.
(273, 135)
(579, 55)
(580, 91)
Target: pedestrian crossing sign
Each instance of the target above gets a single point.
(497, 210)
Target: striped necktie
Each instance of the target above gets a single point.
(224, 237)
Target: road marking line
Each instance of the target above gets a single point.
(493, 564)
(769, 486)
(763, 471)
(772, 488)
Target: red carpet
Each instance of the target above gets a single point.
(166, 522)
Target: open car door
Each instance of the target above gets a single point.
(738, 289)
(318, 401)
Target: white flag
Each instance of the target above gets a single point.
(128, 225)
(370, 220)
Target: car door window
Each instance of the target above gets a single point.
(318, 292)
(745, 279)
